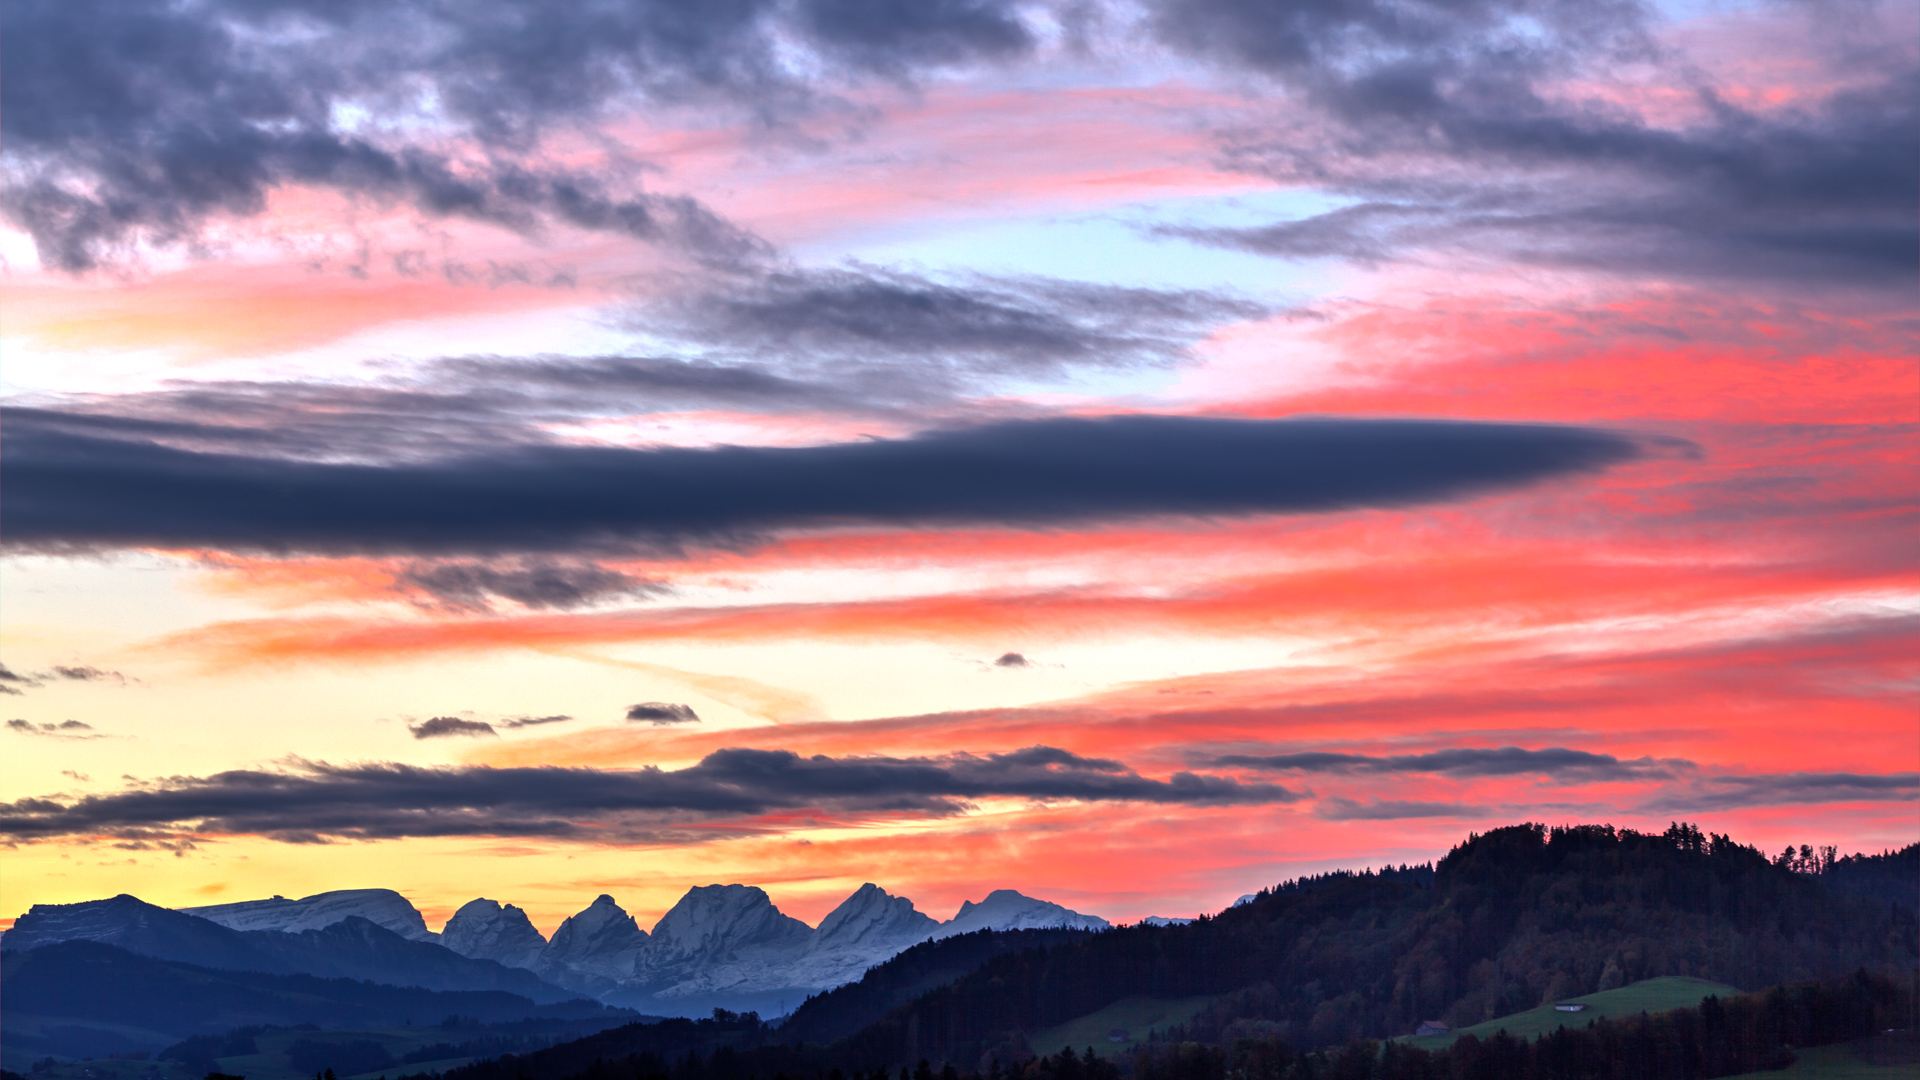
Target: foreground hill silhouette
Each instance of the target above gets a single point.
(1505, 921)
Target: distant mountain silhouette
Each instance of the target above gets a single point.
(110, 1000)
(353, 948)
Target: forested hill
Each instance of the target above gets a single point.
(827, 1017)
(1892, 877)
(1505, 921)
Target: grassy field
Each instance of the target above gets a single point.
(1884, 1057)
(1648, 995)
(1138, 1015)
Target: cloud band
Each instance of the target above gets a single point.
(65, 489)
(312, 801)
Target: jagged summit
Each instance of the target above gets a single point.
(486, 930)
(872, 916)
(595, 950)
(730, 945)
(724, 922)
(383, 907)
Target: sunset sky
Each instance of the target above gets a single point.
(1131, 453)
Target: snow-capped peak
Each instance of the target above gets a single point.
(872, 917)
(485, 930)
(598, 925)
(383, 907)
(714, 922)
(1004, 909)
(600, 944)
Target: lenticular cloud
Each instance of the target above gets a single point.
(79, 490)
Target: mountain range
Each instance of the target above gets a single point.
(1516, 919)
(1508, 920)
(720, 946)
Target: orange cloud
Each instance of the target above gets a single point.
(216, 311)
(1751, 704)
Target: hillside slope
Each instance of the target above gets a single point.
(838, 1013)
(1502, 923)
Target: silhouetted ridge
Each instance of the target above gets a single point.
(1891, 876)
(1504, 921)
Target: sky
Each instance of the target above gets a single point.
(1131, 453)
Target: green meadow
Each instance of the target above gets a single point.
(1648, 995)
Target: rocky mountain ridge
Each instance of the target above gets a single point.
(730, 946)
(724, 946)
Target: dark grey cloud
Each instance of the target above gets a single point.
(1463, 761)
(1012, 659)
(15, 683)
(11, 681)
(1360, 40)
(898, 35)
(445, 406)
(131, 121)
(66, 490)
(441, 727)
(534, 721)
(1812, 199)
(309, 800)
(1338, 809)
(1682, 785)
(134, 121)
(662, 712)
(85, 673)
(1729, 792)
(576, 386)
(855, 341)
(532, 583)
(66, 729)
(897, 335)
(1441, 120)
